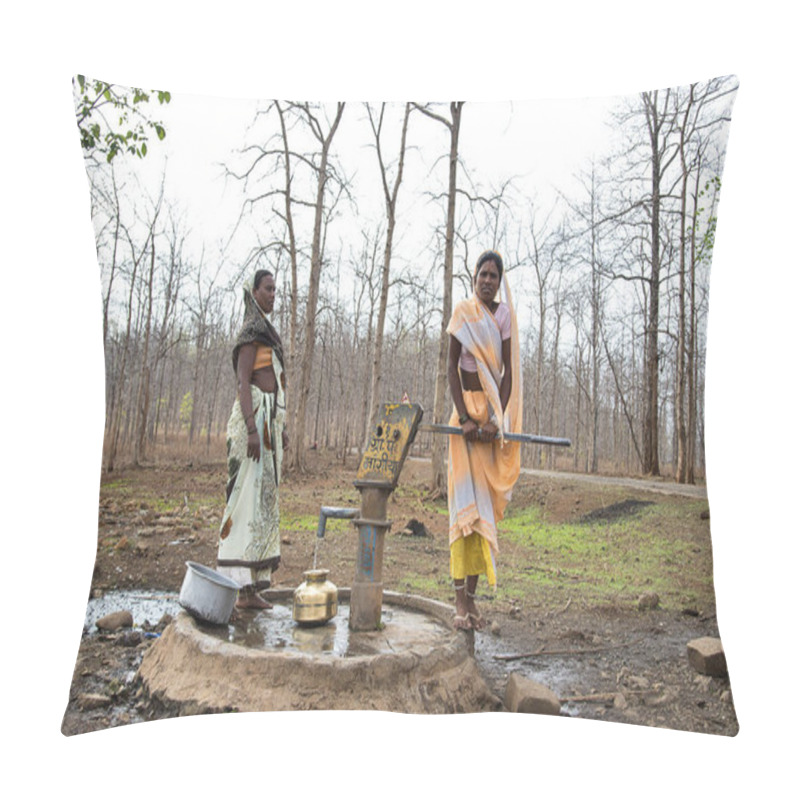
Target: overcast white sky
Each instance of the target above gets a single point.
(541, 143)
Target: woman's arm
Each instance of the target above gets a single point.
(505, 383)
(244, 371)
(489, 430)
(469, 428)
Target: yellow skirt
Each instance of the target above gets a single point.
(471, 555)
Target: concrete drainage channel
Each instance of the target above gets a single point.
(413, 663)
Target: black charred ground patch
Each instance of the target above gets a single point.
(615, 512)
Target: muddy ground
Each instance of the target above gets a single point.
(606, 658)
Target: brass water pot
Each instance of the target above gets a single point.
(316, 599)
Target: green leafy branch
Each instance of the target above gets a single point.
(111, 120)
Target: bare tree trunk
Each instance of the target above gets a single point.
(368, 347)
(691, 365)
(682, 465)
(297, 451)
(655, 122)
(554, 404)
(622, 394)
(291, 365)
(166, 327)
(319, 390)
(594, 341)
(439, 465)
(390, 198)
(576, 443)
(112, 270)
(212, 399)
(115, 424)
(143, 398)
(199, 367)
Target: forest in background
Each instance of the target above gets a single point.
(610, 281)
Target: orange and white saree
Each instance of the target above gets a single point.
(481, 475)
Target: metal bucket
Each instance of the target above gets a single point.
(208, 595)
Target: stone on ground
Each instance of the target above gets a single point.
(115, 621)
(648, 601)
(415, 528)
(528, 697)
(90, 701)
(707, 656)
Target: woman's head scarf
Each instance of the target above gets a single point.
(256, 327)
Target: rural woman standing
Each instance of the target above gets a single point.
(485, 382)
(249, 540)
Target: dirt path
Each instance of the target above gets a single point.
(663, 486)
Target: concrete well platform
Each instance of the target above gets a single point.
(416, 663)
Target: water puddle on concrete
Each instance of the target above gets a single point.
(275, 630)
(146, 606)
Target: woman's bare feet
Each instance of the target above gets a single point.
(461, 621)
(476, 620)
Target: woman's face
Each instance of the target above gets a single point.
(487, 281)
(264, 294)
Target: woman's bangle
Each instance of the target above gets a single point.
(463, 419)
(251, 432)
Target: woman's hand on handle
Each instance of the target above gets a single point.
(470, 430)
(488, 432)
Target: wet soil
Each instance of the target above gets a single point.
(606, 660)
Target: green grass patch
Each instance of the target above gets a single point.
(299, 522)
(648, 551)
(125, 490)
(406, 491)
(437, 588)
(165, 505)
(310, 523)
(112, 486)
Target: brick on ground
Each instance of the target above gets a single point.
(707, 656)
(528, 697)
